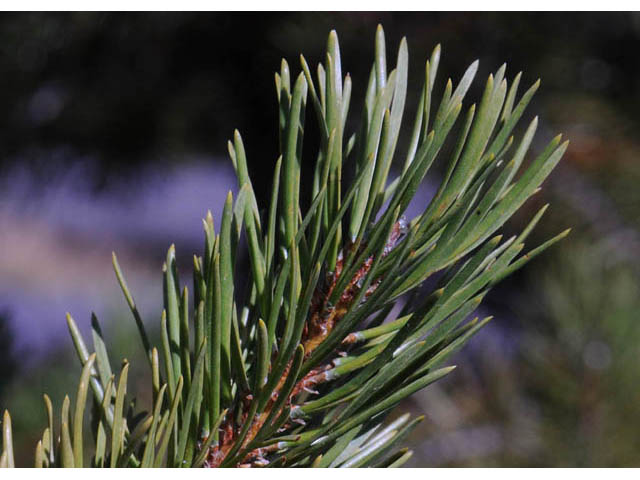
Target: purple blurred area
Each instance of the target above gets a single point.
(56, 241)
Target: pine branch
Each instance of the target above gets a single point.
(306, 368)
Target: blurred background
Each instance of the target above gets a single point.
(113, 132)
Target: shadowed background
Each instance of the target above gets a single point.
(113, 137)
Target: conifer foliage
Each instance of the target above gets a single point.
(334, 326)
